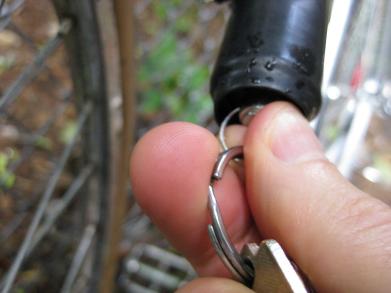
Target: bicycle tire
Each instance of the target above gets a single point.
(85, 51)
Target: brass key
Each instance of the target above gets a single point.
(273, 271)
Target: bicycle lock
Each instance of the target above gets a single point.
(272, 50)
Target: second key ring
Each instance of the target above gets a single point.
(245, 116)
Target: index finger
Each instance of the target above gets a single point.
(170, 172)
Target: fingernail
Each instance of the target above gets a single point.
(292, 139)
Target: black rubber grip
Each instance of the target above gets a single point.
(272, 50)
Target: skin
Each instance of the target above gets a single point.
(338, 235)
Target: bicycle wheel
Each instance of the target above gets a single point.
(71, 212)
(356, 103)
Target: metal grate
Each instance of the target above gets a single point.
(151, 268)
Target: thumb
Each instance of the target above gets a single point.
(339, 236)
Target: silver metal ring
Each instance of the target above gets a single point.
(217, 232)
(245, 116)
(223, 126)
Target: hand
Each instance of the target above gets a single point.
(338, 235)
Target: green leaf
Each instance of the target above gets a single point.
(184, 24)
(171, 78)
(160, 9)
(7, 179)
(6, 62)
(3, 162)
(151, 102)
(68, 132)
(44, 143)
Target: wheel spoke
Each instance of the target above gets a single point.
(60, 207)
(33, 69)
(37, 135)
(21, 255)
(79, 258)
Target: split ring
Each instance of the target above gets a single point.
(217, 232)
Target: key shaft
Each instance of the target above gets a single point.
(274, 272)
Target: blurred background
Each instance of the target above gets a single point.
(43, 167)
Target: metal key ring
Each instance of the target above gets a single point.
(217, 232)
(223, 126)
(245, 116)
